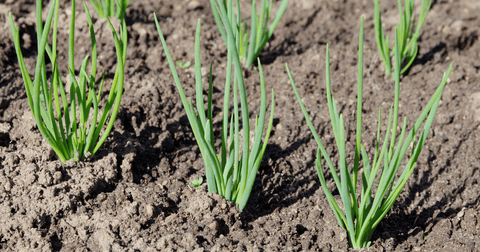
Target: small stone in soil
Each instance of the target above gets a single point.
(214, 226)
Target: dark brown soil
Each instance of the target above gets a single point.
(135, 194)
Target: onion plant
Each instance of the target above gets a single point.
(69, 124)
(107, 8)
(232, 172)
(260, 32)
(405, 31)
(364, 207)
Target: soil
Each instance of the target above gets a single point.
(135, 193)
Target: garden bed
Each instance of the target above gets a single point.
(135, 193)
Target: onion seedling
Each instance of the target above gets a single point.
(260, 32)
(232, 172)
(362, 210)
(407, 35)
(107, 8)
(69, 124)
